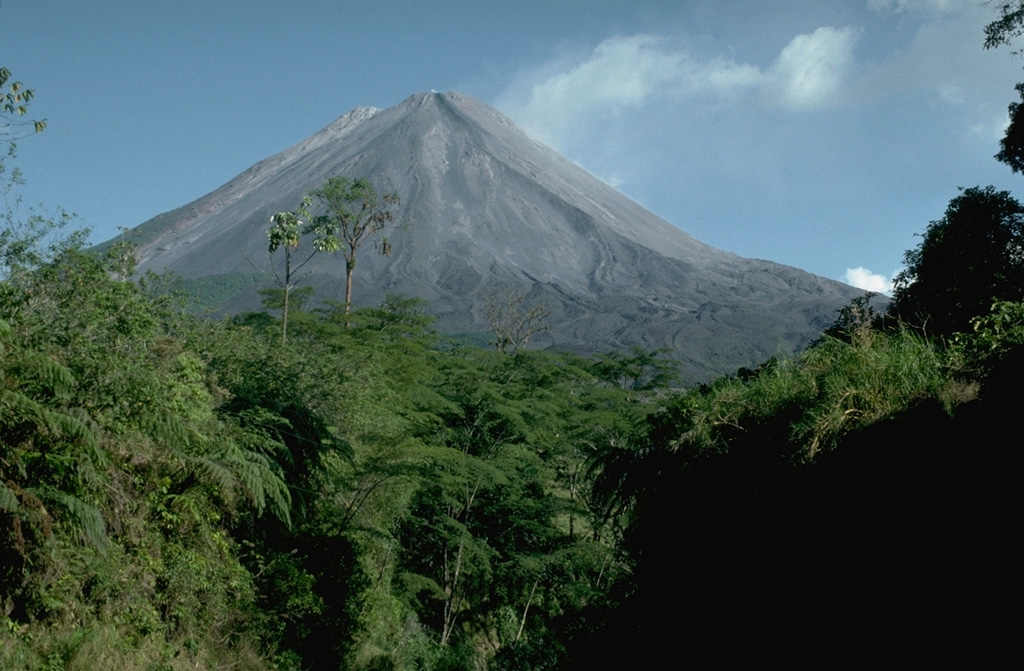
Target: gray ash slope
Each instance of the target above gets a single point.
(485, 207)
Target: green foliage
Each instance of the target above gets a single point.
(811, 402)
(1000, 330)
(112, 451)
(285, 232)
(363, 494)
(967, 259)
(991, 355)
(201, 294)
(841, 477)
(49, 455)
(14, 99)
(355, 212)
(1008, 26)
(638, 371)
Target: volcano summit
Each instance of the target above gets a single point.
(486, 207)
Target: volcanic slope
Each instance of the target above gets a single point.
(485, 207)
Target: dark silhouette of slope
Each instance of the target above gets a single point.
(485, 206)
(894, 548)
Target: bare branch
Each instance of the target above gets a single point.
(512, 323)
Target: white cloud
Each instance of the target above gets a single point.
(859, 112)
(945, 64)
(622, 73)
(572, 100)
(952, 93)
(862, 278)
(992, 130)
(812, 69)
(628, 73)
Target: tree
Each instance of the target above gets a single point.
(1002, 31)
(513, 325)
(639, 371)
(1012, 144)
(1008, 26)
(285, 232)
(19, 243)
(967, 259)
(355, 212)
(14, 104)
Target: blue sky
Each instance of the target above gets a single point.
(818, 134)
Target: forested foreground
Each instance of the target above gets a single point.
(184, 493)
(181, 493)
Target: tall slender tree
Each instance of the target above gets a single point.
(355, 213)
(285, 232)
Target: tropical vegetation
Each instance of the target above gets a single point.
(184, 493)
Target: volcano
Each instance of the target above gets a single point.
(484, 207)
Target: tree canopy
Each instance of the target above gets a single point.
(1011, 150)
(285, 233)
(355, 213)
(967, 259)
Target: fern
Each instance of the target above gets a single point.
(40, 374)
(166, 428)
(86, 519)
(8, 499)
(263, 482)
(216, 473)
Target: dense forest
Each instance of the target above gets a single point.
(179, 492)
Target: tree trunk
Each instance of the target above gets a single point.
(522, 623)
(451, 606)
(350, 266)
(284, 318)
(287, 290)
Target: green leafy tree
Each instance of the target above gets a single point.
(120, 456)
(14, 99)
(640, 370)
(24, 245)
(970, 257)
(285, 234)
(355, 213)
(47, 453)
